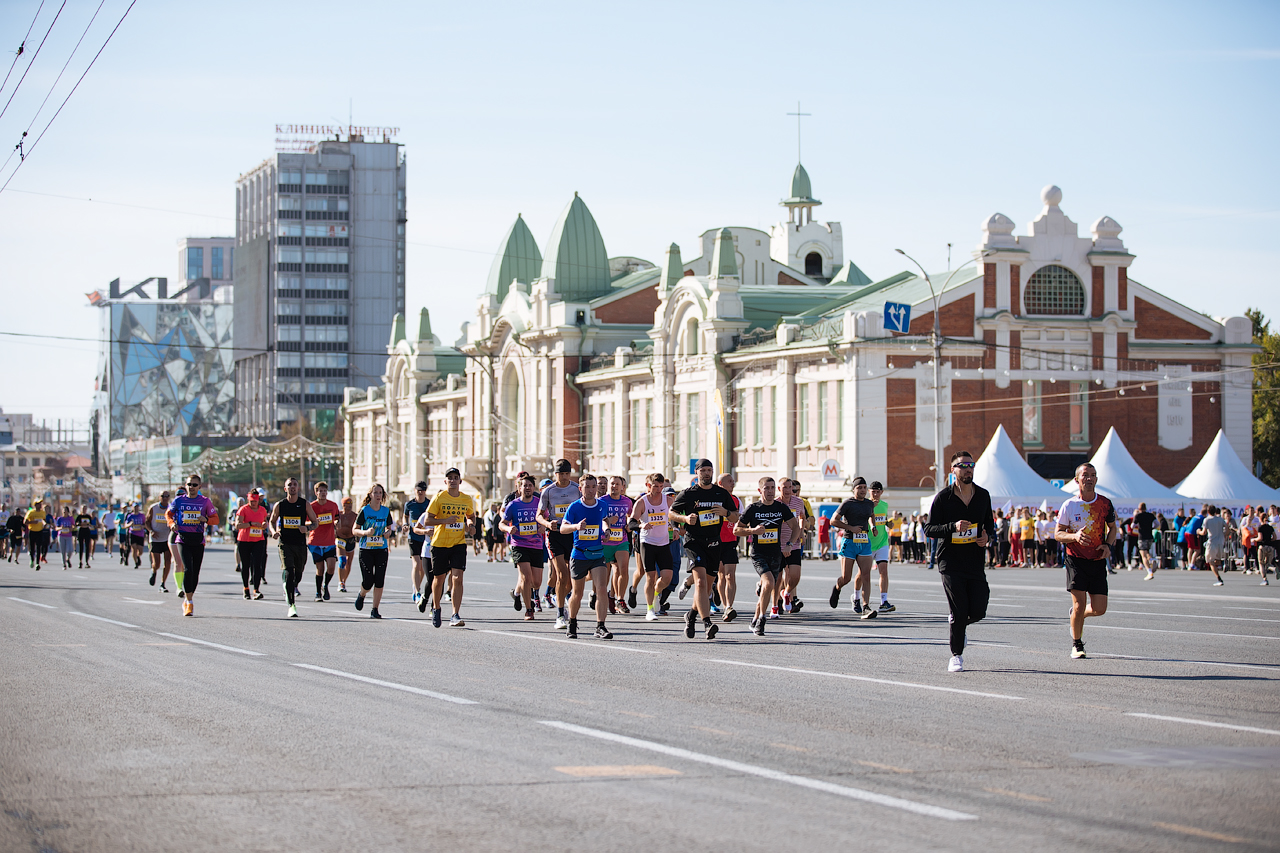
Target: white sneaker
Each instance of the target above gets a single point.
(1217, 583)
(956, 665)
(293, 611)
(651, 615)
(1149, 576)
(561, 624)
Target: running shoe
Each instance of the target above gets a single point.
(528, 615)
(537, 605)
(561, 623)
(664, 610)
(422, 603)
(187, 609)
(631, 596)
(1077, 650)
(435, 617)
(730, 615)
(164, 588)
(613, 606)
(651, 615)
(834, 601)
(786, 602)
(1264, 583)
(1217, 583)
(591, 604)
(257, 595)
(868, 612)
(796, 605)
(319, 596)
(516, 602)
(550, 599)
(956, 664)
(326, 592)
(623, 607)
(773, 612)
(293, 611)
(360, 602)
(1149, 576)
(690, 619)
(342, 587)
(153, 579)
(684, 590)
(602, 633)
(456, 621)
(711, 629)
(573, 629)
(757, 626)
(374, 614)
(416, 596)
(448, 596)
(886, 607)
(857, 604)
(246, 593)
(715, 609)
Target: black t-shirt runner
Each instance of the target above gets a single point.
(697, 500)
(1145, 522)
(959, 552)
(292, 521)
(1266, 535)
(858, 513)
(15, 524)
(776, 514)
(84, 523)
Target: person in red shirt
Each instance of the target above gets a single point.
(321, 541)
(251, 543)
(727, 582)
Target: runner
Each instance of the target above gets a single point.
(17, 527)
(136, 522)
(792, 551)
(1087, 526)
(880, 546)
(36, 519)
(65, 525)
(520, 523)
(251, 543)
(554, 501)
(807, 523)
(187, 515)
(1145, 522)
(373, 524)
(651, 513)
(960, 521)
(158, 527)
(1266, 546)
(765, 521)
(106, 519)
(727, 577)
(702, 508)
(451, 514)
(82, 524)
(413, 510)
(289, 518)
(491, 532)
(1214, 528)
(587, 521)
(320, 539)
(346, 539)
(855, 516)
(122, 533)
(617, 544)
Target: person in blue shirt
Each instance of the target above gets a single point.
(413, 510)
(586, 520)
(373, 526)
(1192, 534)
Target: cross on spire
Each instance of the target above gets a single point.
(799, 115)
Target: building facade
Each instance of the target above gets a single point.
(205, 267)
(769, 354)
(319, 274)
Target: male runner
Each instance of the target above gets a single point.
(346, 539)
(769, 521)
(617, 544)
(451, 514)
(520, 523)
(554, 501)
(321, 541)
(122, 533)
(1214, 527)
(856, 517)
(158, 528)
(702, 508)
(413, 510)
(727, 577)
(587, 521)
(36, 520)
(1146, 522)
(655, 558)
(17, 530)
(187, 515)
(251, 543)
(1087, 526)
(289, 519)
(136, 521)
(880, 546)
(4, 531)
(960, 520)
(86, 535)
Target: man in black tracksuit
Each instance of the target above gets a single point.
(960, 519)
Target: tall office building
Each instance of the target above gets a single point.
(319, 275)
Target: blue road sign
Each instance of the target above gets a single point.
(897, 317)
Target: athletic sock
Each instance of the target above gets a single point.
(884, 596)
(328, 576)
(177, 579)
(319, 584)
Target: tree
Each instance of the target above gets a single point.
(1266, 399)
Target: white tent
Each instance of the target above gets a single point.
(1221, 478)
(1122, 480)
(1003, 472)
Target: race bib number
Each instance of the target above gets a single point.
(590, 533)
(882, 519)
(707, 518)
(456, 524)
(290, 521)
(615, 534)
(527, 528)
(968, 537)
(255, 532)
(191, 516)
(375, 542)
(325, 518)
(768, 537)
(560, 510)
(859, 537)
(657, 518)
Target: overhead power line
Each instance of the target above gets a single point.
(22, 47)
(18, 85)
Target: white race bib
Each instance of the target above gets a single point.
(767, 537)
(858, 537)
(255, 532)
(590, 533)
(456, 524)
(527, 528)
(325, 518)
(708, 517)
(375, 542)
(560, 510)
(191, 516)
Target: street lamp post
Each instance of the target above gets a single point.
(936, 340)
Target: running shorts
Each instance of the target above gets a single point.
(1145, 545)
(795, 558)
(1086, 575)
(580, 567)
(881, 555)
(729, 553)
(770, 563)
(532, 556)
(347, 545)
(415, 547)
(452, 557)
(161, 547)
(611, 551)
(1214, 551)
(853, 550)
(706, 555)
(657, 558)
(320, 553)
(559, 544)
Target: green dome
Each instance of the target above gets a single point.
(576, 257)
(518, 259)
(801, 188)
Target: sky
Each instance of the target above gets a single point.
(668, 118)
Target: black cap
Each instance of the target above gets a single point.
(876, 484)
(704, 463)
(451, 472)
(563, 466)
(421, 484)
(859, 480)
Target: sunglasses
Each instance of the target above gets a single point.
(193, 485)
(963, 465)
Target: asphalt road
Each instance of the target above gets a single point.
(130, 727)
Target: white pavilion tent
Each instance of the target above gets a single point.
(1220, 478)
(1122, 480)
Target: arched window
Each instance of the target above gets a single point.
(1054, 290)
(689, 346)
(813, 264)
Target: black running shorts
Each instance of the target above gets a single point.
(1086, 575)
(657, 558)
(444, 559)
(532, 556)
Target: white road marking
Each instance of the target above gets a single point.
(391, 684)
(579, 643)
(212, 645)
(937, 641)
(1191, 616)
(767, 773)
(1130, 595)
(1205, 723)
(1265, 609)
(1181, 660)
(872, 680)
(140, 601)
(36, 603)
(101, 619)
(1194, 633)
